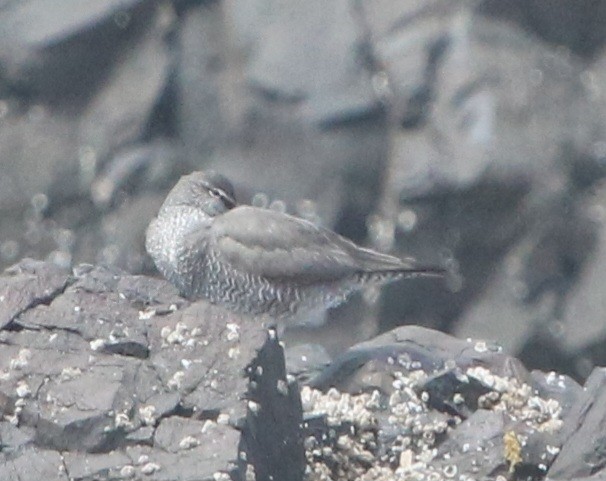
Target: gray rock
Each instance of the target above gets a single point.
(34, 463)
(87, 466)
(581, 324)
(45, 49)
(478, 417)
(67, 111)
(149, 164)
(411, 348)
(305, 361)
(577, 26)
(290, 60)
(28, 284)
(200, 81)
(35, 140)
(560, 387)
(210, 394)
(473, 105)
(172, 431)
(583, 433)
(13, 438)
(477, 444)
(120, 366)
(77, 310)
(507, 209)
(120, 111)
(204, 461)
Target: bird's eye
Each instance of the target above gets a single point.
(222, 196)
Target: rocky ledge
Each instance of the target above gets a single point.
(105, 375)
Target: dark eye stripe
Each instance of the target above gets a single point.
(219, 193)
(223, 196)
(229, 202)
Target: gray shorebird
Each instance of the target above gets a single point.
(258, 261)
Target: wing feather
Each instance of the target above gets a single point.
(275, 245)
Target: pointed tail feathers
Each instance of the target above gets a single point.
(390, 275)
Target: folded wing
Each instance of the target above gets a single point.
(279, 246)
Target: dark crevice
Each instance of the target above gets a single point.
(127, 349)
(64, 465)
(38, 328)
(12, 324)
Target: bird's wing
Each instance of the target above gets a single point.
(275, 245)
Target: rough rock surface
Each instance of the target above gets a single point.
(106, 375)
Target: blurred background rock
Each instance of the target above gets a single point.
(464, 133)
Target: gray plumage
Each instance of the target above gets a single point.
(258, 261)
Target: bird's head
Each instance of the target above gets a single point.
(208, 191)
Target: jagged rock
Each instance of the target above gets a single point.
(34, 463)
(445, 408)
(372, 364)
(45, 49)
(27, 285)
(582, 436)
(125, 378)
(116, 376)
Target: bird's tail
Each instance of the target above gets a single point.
(412, 271)
(379, 266)
(390, 275)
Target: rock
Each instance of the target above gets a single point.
(45, 50)
(33, 463)
(578, 27)
(120, 111)
(27, 285)
(275, 450)
(115, 376)
(204, 462)
(468, 421)
(411, 348)
(473, 102)
(120, 239)
(13, 438)
(91, 466)
(583, 433)
(152, 161)
(519, 255)
(305, 361)
(581, 329)
(290, 60)
(557, 386)
(127, 379)
(199, 82)
(476, 442)
(66, 113)
(38, 141)
(442, 387)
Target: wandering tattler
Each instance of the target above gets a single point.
(259, 261)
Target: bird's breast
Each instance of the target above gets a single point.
(168, 242)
